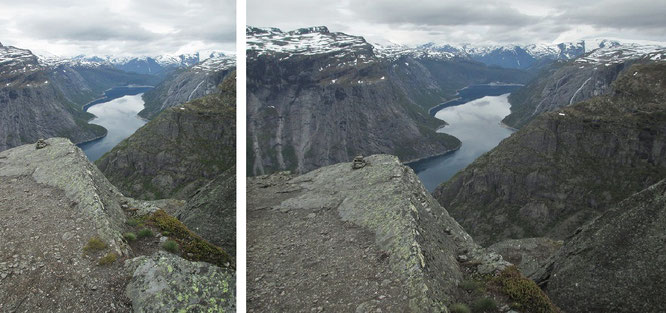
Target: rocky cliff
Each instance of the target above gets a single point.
(566, 83)
(180, 150)
(568, 166)
(616, 263)
(38, 101)
(73, 243)
(187, 84)
(316, 98)
(367, 237)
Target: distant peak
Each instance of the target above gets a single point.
(310, 30)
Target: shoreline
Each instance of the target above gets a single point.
(452, 102)
(433, 155)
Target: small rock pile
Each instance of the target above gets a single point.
(359, 162)
(41, 143)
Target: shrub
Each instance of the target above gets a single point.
(528, 297)
(471, 285)
(94, 244)
(129, 236)
(146, 232)
(459, 308)
(484, 305)
(133, 222)
(193, 247)
(108, 258)
(170, 246)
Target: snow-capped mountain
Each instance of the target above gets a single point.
(216, 62)
(15, 61)
(512, 56)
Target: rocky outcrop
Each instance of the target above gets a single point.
(211, 211)
(317, 98)
(616, 263)
(185, 85)
(528, 254)
(66, 227)
(566, 167)
(179, 151)
(164, 282)
(364, 239)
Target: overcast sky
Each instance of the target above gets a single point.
(465, 21)
(118, 27)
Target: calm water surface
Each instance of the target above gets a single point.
(477, 124)
(119, 117)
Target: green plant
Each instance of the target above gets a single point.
(192, 247)
(528, 297)
(129, 236)
(484, 305)
(108, 258)
(94, 244)
(146, 232)
(459, 308)
(133, 222)
(170, 246)
(470, 285)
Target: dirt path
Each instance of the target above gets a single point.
(308, 260)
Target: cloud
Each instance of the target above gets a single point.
(119, 27)
(464, 21)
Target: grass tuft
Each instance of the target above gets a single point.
(484, 305)
(94, 244)
(525, 293)
(146, 232)
(460, 308)
(108, 258)
(129, 236)
(171, 246)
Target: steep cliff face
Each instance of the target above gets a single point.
(187, 84)
(65, 226)
(568, 166)
(566, 83)
(178, 151)
(37, 101)
(616, 263)
(317, 98)
(364, 237)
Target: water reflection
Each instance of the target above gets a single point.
(477, 125)
(119, 117)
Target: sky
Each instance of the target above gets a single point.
(119, 27)
(413, 22)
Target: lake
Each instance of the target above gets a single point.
(117, 112)
(477, 124)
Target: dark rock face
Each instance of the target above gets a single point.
(182, 86)
(339, 97)
(179, 151)
(568, 166)
(617, 262)
(561, 85)
(211, 212)
(368, 239)
(528, 254)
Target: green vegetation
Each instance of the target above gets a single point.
(459, 308)
(470, 285)
(171, 246)
(135, 222)
(528, 297)
(129, 236)
(484, 305)
(146, 232)
(94, 244)
(192, 246)
(108, 258)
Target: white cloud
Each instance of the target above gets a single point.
(119, 27)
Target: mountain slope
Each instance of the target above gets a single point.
(187, 84)
(568, 166)
(616, 263)
(178, 151)
(41, 102)
(317, 98)
(570, 82)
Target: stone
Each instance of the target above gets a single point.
(41, 144)
(358, 162)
